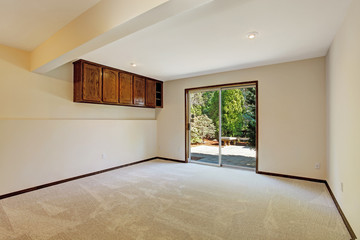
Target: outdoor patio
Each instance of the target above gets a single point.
(240, 156)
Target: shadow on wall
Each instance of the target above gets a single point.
(61, 78)
(56, 83)
(64, 73)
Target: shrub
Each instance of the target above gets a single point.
(202, 127)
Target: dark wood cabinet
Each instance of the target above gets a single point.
(150, 93)
(95, 83)
(110, 86)
(126, 88)
(92, 83)
(139, 91)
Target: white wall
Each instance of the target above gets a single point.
(343, 116)
(34, 152)
(45, 137)
(291, 115)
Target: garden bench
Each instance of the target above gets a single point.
(228, 140)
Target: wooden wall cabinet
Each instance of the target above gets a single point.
(139, 91)
(95, 83)
(126, 88)
(92, 83)
(150, 93)
(110, 86)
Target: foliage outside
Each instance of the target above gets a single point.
(238, 114)
(203, 127)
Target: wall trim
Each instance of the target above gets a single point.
(346, 222)
(291, 176)
(171, 159)
(12, 194)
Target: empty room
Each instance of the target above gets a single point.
(179, 119)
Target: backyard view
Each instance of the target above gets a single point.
(238, 127)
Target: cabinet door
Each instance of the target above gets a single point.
(126, 88)
(150, 93)
(92, 83)
(110, 86)
(139, 91)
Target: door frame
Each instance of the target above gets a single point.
(187, 122)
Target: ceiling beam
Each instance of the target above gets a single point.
(107, 21)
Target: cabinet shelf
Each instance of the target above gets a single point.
(159, 94)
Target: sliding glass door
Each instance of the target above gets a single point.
(222, 126)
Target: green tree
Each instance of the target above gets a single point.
(202, 127)
(232, 111)
(238, 114)
(250, 114)
(211, 108)
(197, 102)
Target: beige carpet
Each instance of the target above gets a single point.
(166, 200)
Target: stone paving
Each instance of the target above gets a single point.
(240, 156)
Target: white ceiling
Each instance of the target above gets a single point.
(25, 24)
(212, 38)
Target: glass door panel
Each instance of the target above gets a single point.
(238, 126)
(204, 127)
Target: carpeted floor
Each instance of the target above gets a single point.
(166, 200)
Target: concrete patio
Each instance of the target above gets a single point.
(240, 156)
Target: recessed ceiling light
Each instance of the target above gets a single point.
(252, 35)
(133, 64)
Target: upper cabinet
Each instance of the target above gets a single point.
(92, 83)
(126, 88)
(110, 86)
(150, 93)
(95, 83)
(139, 91)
